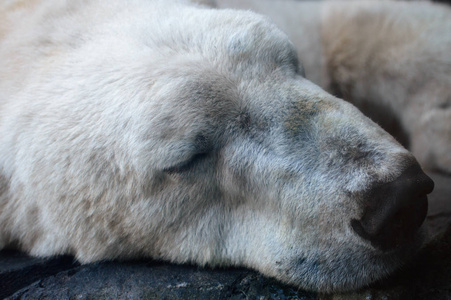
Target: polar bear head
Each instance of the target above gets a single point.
(191, 135)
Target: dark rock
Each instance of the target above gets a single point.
(18, 270)
(153, 280)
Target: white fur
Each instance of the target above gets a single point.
(104, 105)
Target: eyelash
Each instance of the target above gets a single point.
(185, 166)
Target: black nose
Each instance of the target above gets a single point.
(394, 211)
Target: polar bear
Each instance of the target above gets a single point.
(391, 59)
(173, 131)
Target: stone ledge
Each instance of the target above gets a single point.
(18, 270)
(154, 280)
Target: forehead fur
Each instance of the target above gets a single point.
(231, 39)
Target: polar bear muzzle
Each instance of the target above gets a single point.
(395, 210)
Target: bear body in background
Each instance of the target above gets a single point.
(390, 59)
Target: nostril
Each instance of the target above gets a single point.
(425, 185)
(391, 230)
(395, 210)
(406, 221)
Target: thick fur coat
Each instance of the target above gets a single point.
(169, 130)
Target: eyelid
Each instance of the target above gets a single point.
(185, 166)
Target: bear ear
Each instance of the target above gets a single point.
(300, 69)
(294, 61)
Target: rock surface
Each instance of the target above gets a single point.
(18, 270)
(428, 276)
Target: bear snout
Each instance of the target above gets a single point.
(394, 211)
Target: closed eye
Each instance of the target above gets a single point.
(187, 165)
(445, 105)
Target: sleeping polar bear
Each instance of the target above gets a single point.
(391, 59)
(168, 130)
